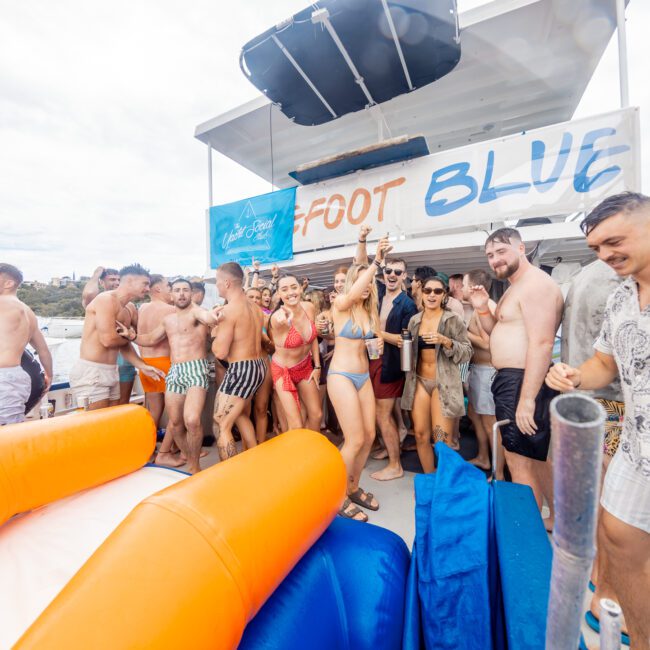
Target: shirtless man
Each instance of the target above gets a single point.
(18, 327)
(522, 333)
(107, 280)
(150, 315)
(238, 339)
(95, 374)
(186, 330)
(481, 374)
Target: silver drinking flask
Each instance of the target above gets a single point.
(406, 352)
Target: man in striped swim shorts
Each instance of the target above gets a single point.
(187, 330)
(238, 339)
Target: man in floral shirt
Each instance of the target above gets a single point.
(618, 230)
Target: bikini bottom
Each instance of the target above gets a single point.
(357, 378)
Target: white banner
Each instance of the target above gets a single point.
(554, 170)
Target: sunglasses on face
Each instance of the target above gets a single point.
(397, 272)
(427, 291)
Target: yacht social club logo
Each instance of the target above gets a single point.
(250, 232)
(259, 227)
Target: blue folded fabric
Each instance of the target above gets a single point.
(451, 556)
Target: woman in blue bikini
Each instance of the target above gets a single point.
(356, 319)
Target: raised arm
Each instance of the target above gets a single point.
(37, 341)
(482, 339)
(256, 274)
(345, 301)
(480, 300)
(91, 290)
(361, 254)
(275, 275)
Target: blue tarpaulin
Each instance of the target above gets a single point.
(450, 561)
(259, 227)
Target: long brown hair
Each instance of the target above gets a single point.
(370, 304)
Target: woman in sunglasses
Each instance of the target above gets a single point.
(433, 389)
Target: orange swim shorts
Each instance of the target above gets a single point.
(155, 385)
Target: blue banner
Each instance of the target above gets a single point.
(260, 227)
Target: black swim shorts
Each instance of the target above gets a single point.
(506, 388)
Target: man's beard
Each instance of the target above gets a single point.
(504, 272)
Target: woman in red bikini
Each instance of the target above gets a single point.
(295, 366)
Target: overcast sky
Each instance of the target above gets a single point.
(98, 104)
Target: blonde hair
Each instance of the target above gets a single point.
(370, 304)
(316, 297)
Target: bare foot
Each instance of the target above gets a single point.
(194, 470)
(548, 524)
(380, 454)
(481, 463)
(167, 459)
(388, 473)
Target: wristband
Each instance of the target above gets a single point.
(376, 263)
(317, 367)
(361, 241)
(578, 384)
(483, 313)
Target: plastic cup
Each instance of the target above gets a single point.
(373, 348)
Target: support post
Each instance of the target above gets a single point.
(622, 53)
(577, 428)
(209, 176)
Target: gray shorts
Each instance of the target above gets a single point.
(15, 388)
(626, 492)
(479, 389)
(96, 381)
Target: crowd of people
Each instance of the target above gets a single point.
(288, 356)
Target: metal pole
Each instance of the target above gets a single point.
(209, 176)
(495, 442)
(577, 427)
(622, 53)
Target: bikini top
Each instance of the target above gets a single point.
(423, 345)
(348, 333)
(294, 337)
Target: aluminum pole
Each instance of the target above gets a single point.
(577, 428)
(209, 176)
(622, 53)
(495, 442)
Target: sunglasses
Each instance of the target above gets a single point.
(397, 272)
(427, 291)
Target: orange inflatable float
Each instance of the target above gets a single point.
(191, 565)
(45, 460)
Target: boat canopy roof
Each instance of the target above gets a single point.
(338, 57)
(525, 64)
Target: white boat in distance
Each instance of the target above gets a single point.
(65, 328)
